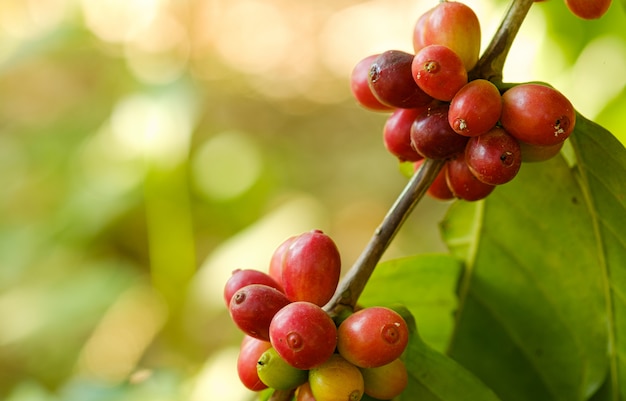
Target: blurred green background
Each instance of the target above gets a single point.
(150, 147)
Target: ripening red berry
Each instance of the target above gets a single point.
(463, 184)
(311, 268)
(475, 108)
(392, 83)
(250, 351)
(588, 9)
(397, 133)
(537, 114)
(439, 71)
(277, 260)
(493, 157)
(360, 88)
(303, 334)
(243, 277)
(253, 307)
(432, 136)
(372, 337)
(454, 25)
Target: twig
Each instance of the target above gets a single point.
(353, 283)
(491, 63)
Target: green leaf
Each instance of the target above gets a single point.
(601, 166)
(544, 266)
(435, 377)
(425, 284)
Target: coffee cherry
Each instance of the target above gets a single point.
(278, 374)
(534, 153)
(253, 307)
(243, 277)
(311, 268)
(372, 337)
(432, 136)
(336, 380)
(475, 108)
(303, 334)
(397, 133)
(493, 157)
(387, 381)
(588, 9)
(278, 258)
(392, 83)
(454, 25)
(250, 351)
(463, 184)
(537, 114)
(359, 85)
(439, 72)
(304, 393)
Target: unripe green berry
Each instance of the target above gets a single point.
(278, 374)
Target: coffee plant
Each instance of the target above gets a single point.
(530, 302)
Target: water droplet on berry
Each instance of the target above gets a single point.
(390, 333)
(294, 341)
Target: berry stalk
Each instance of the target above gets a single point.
(491, 63)
(352, 285)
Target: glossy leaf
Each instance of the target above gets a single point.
(434, 376)
(539, 304)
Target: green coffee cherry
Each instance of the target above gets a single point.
(278, 374)
(387, 381)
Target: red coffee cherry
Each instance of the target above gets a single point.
(250, 351)
(359, 85)
(439, 72)
(311, 268)
(537, 114)
(304, 393)
(432, 136)
(253, 307)
(372, 337)
(475, 108)
(493, 157)
(278, 259)
(303, 334)
(392, 83)
(397, 133)
(454, 25)
(243, 277)
(588, 9)
(463, 184)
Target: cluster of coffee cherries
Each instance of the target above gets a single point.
(291, 343)
(437, 112)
